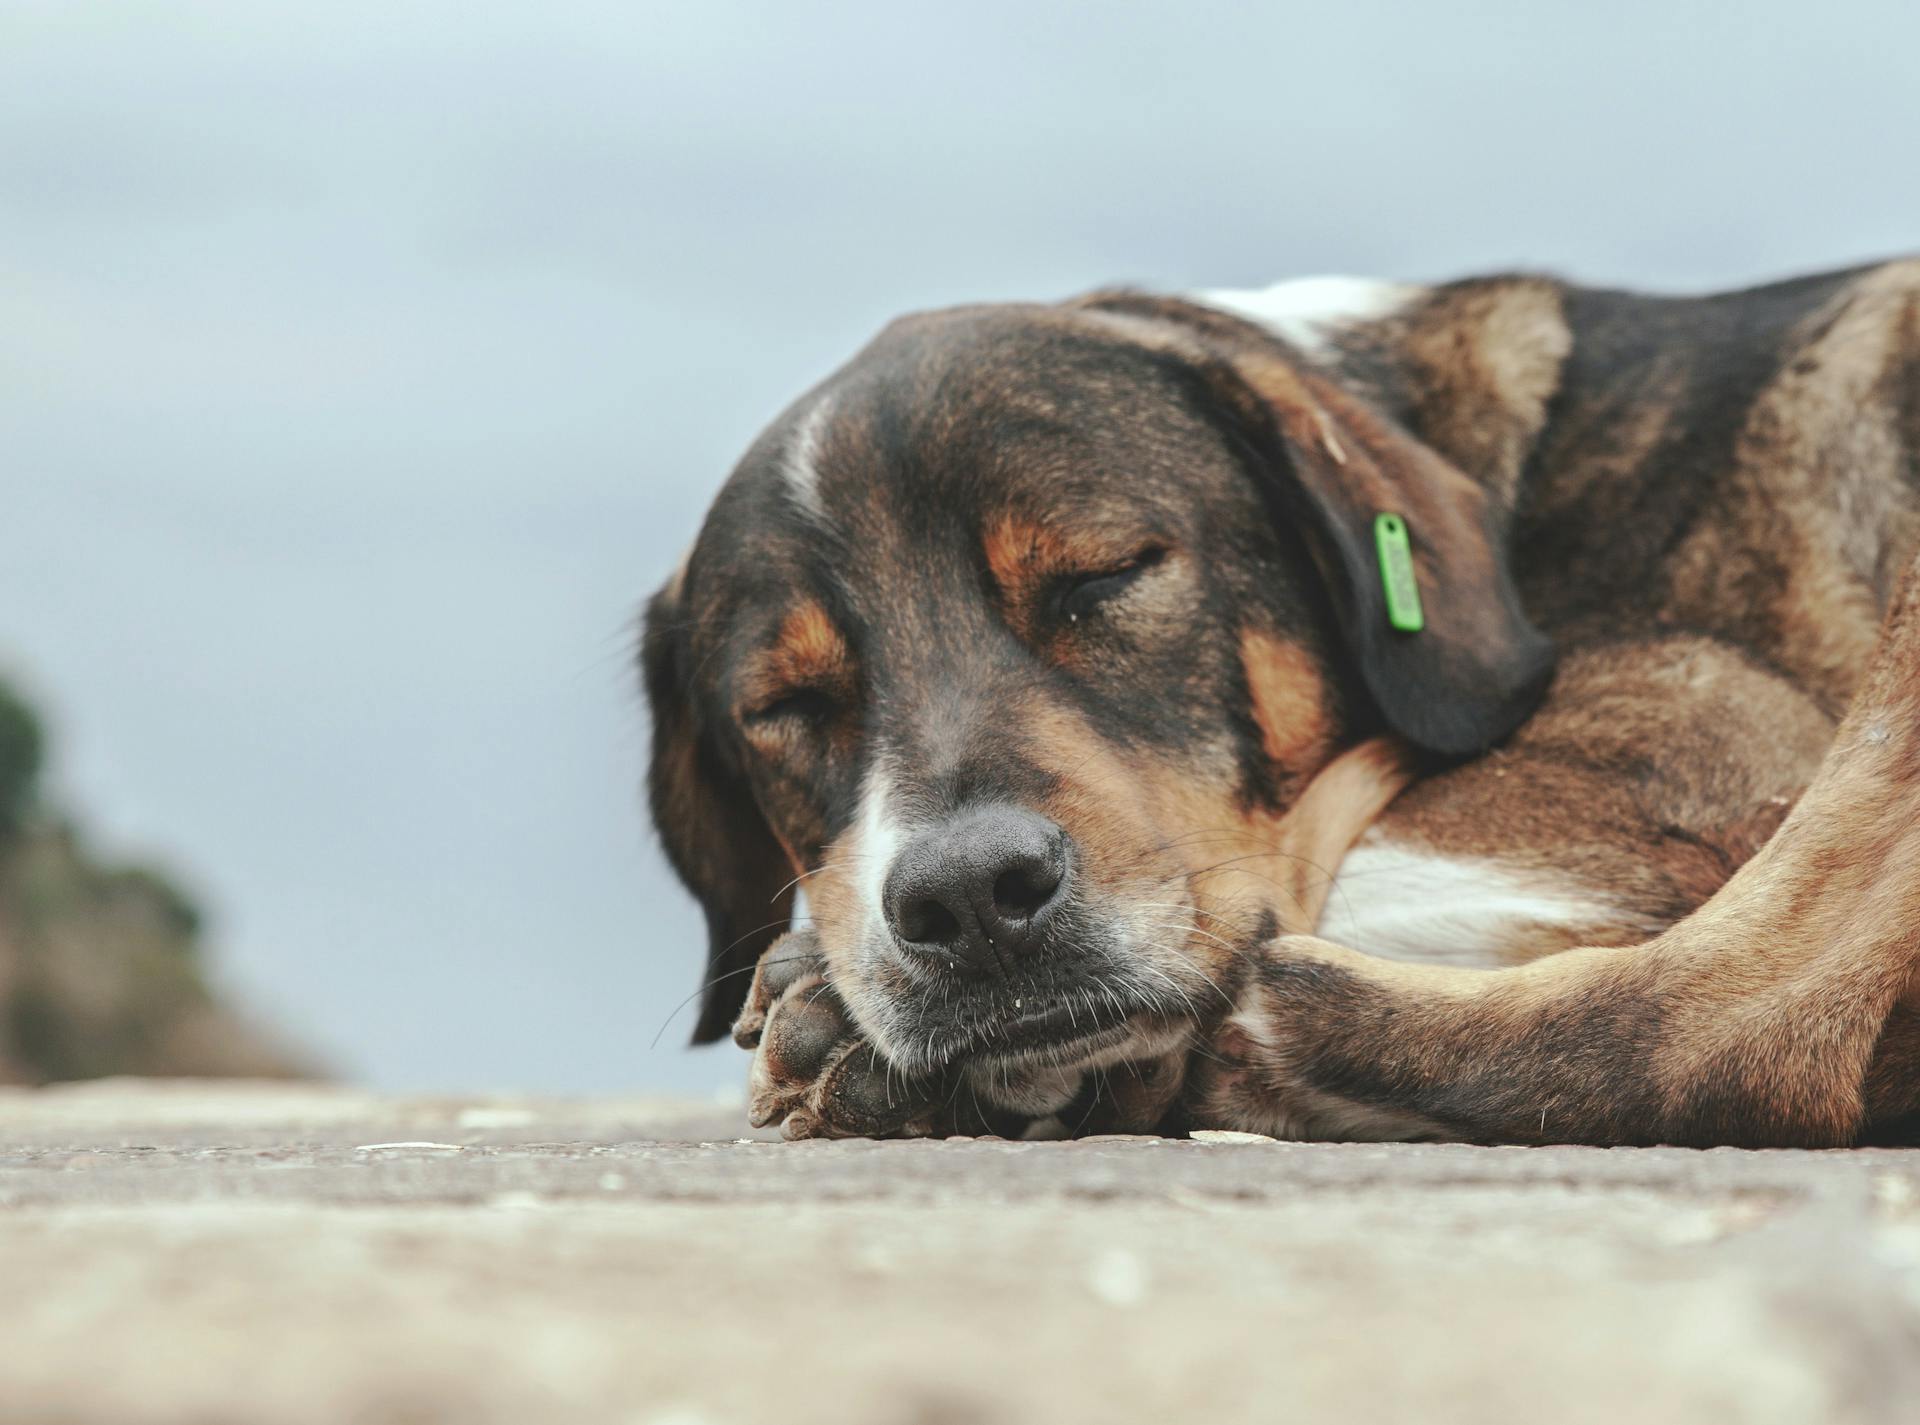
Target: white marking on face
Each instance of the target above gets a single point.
(1310, 310)
(881, 838)
(872, 845)
(801, 464)
(1405, 904)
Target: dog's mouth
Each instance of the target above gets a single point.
(1060, 1030)
(1102, 998)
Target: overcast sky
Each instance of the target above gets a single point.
(363, 366)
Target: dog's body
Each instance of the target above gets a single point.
(1706, 504)
(1122, 587)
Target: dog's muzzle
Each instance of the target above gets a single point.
(976, 894)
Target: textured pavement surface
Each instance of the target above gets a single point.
(239, 1253)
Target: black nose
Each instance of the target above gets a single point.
(979, 887)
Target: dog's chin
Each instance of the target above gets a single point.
(1040, 1072)
(1089, 1008)
(1055, 1037)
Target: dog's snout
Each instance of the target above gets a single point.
(978, 887)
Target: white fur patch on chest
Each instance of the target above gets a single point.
(1403, 903)
(1310, 310)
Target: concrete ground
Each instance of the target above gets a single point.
(240, 1253)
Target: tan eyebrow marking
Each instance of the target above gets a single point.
(810, 642)
(1020, 551)
(1016, 548)
(808, 652)
(1023, 554)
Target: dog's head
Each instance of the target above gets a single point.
(1012, 642)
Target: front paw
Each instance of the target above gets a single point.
(1238, 1081)
(813, 1072)
(1256, 1072)
(1323, 1043)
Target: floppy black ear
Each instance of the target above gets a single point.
(1330, 463)
(710, 825)
(1478, 667)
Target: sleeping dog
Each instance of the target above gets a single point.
(1043, 680)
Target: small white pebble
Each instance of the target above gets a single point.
(416, 1147)
(1118, 1277)
(612, 1182)
(1228, 1135)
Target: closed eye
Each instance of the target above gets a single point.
(1082, 595)
(802, 705)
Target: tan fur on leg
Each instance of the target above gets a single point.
(1781, 1012)
(1318, 830)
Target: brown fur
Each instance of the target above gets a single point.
(1702, 503)
(1290, 702)
(1778, 1013)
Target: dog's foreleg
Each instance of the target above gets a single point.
(1786, 1010)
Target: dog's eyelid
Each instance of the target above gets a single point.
(1139, 561)
(1083, 593)
(803, 704)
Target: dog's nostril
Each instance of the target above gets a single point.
(1020, 892)
(927, 922)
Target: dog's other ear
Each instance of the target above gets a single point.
(709, 823)
(1478, 668)
(1330, 463)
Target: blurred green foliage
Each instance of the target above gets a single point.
(100, 968)
(22, 749)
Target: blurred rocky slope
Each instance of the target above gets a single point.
(100, 964)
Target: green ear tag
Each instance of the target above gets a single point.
(1396, 573)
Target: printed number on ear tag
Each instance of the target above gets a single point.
(1396, 573)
